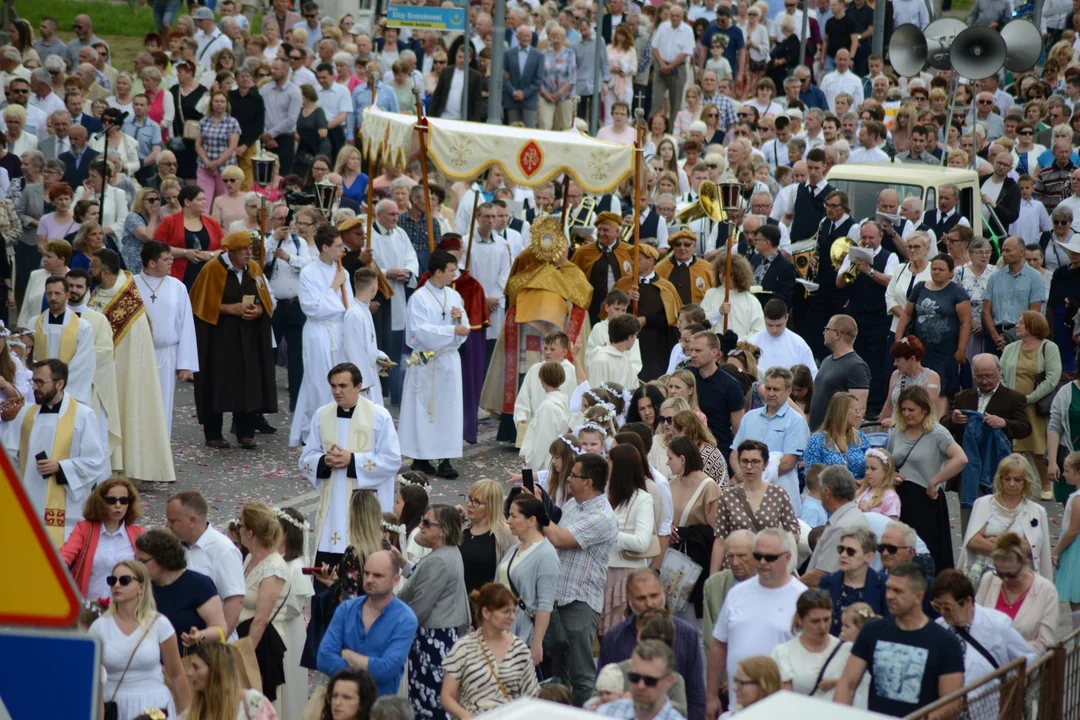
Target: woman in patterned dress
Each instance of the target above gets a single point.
(491, 666)
(840, 441)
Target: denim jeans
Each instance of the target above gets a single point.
(165, 13)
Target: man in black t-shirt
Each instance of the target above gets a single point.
(913, 662)
(720, 396)
(840, 33)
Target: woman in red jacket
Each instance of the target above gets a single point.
(195, 237)
(104, 537)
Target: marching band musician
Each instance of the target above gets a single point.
(604, 261)
(827, 300)
(895, 226)
(652, 225)
(807, 204)
(691, 276)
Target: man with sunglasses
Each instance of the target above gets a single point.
(756, 616)
(84, 37)
(913, 662)
(838, 499)
(59, 448)
(651, 676)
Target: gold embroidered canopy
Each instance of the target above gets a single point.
(462, 150)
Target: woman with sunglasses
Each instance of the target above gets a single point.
(136, 637)
(188, 599)
(108, 521)
(855, 581)
(1026, 151)
(230, 208)
(139, 227)
(435, 591)
(1018, 591)
(710, 115)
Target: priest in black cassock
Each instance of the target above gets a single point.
(658, 306)
(232, 306)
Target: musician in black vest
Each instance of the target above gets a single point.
(652, 225)
(947, 216)
(807, 208)
(772, 271)
(827, 300)
(888, 203)
(866, 303)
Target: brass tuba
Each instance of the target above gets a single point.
(707, 205)
(838, 251)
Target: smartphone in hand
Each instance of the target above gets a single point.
(527, 480)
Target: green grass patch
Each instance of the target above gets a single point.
(109, 19)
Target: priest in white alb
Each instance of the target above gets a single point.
(322, 301)
(171, 323)
(431, 422)
(145, 436)
(58, 451)
(395, 255)
(489, 262)
(351, 444)
(359, 342)
(106, 403)
(60, 333)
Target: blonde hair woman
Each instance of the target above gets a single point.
(18, 141)
(353, 182)
(664, 425)
(683, 384)
(229, 206)
(840, 441)
(365, 538)
(742, 309)
(266, 588)
(485, 534)
(139, 226)
(1012, 508)
(135, 636)
(688, 424)
(170, 196)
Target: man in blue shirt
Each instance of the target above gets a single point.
(735, 52)
(1010, 291)
(147, 134)
(374, 631)
(385, 97)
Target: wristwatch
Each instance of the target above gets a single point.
(871, 273)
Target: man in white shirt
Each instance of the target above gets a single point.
(756, 616)
(286, 255)
(396, 256)
(672, 44)
(871, 134)
(209, 38)
(781, 347)
(208, 551)
(842, 80)
(490, 265)
(42, 96)
(299, 73)
(336, 104)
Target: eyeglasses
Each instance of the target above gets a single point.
(262, 75)
(1025, 132)
(1061, 222)
(124, 580)
(751, 462)
(834, 206)
(636, 678)
(295, 57)
(682, 245)
(885, 549)
(114, 500)
(40, 383)
(850, 551)
(767, 557)
(739, 682)
(666, 420)
(230, 180)
(985, 102)
(1007, 575)
(713, 115)
(424, 522)
(475, 502)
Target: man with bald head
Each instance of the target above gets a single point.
(84, 37)
(355, 640)
(738, 556)
(524, 67)
(644, 592)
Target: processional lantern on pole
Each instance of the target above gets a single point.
(262, 171)
(324, 203)
(729, 198)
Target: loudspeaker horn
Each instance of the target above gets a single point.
(940, 35)
(978, 53)
(908, 50)
(1023, 43)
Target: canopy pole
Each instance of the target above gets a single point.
(565, 204)
(422, 130)
(639, 114)
(373, 168)
(472, 224)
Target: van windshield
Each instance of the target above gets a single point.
(863, 194)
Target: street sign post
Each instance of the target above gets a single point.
(41, 661)
(44, 596)
(426, 18)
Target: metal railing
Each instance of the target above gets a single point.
(1046, 689)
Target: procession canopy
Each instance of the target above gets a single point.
(463, 150)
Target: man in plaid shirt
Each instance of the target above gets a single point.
(584, 540)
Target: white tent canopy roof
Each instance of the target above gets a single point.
(463, 150)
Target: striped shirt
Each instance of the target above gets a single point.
(485, 683)
(584, 568)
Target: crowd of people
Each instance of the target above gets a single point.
(789, 445)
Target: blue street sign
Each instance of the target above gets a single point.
(426, 18)
(40, 661)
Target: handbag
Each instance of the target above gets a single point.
(189, 128)
(243, 652)
(112, 711)
(271, 648)
(648, 553)
(322, 607)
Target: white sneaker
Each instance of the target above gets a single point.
(482, 414)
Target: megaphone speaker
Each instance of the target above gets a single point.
(908, 50)
(1023, 45)
(940, 35)
(978, 53)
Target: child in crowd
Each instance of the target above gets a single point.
(615, 304)
(853, 619)
(592, 438)
(877, 493)
(609, 687)
(531, 394)
(614, 362)
(549, 419)
(1066, 556)
(811, 511)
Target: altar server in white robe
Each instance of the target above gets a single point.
(60, 333)
(532, 393)
(489, 262)
(360, 347)
(169, 308)
(550, 419)
(145, 437)
(612, 362)
(431, 423)
(351, 443)
(616, 303)
(106, 400)
(59, 451)
(323, 304)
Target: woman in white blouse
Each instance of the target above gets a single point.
(812, 661)
(633, 508)
(743, 311)
(1009, 509)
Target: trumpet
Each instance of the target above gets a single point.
(838, 251)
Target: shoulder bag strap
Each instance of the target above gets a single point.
(287, 594)
(491, 667)
(901, 463)
(693, 499)
(821, 673)
(967, 636)
(513, 588)
(131, 657)
(740, 494)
